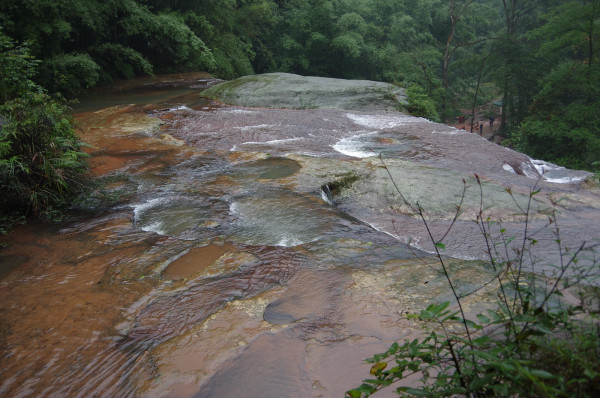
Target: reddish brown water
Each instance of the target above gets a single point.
(208, 264)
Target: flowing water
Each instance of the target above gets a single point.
(222, 256)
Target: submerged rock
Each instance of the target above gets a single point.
(288, 91)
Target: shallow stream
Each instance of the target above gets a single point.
(239, 252)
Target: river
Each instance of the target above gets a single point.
(221, 254)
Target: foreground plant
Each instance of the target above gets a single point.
(530, 344)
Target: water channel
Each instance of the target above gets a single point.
(223, 256)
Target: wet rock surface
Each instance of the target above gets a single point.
(235, 251)
(289, 91)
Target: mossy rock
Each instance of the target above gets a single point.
(288, 91)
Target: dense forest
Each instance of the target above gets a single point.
(536, 60)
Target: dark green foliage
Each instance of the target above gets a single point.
(17, 68)
(232, 58)
(118, 61)
(83, 43)
(70, 74)
(563, 125)
(419, 104)
(40, 158)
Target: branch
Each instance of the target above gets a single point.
(424, 67)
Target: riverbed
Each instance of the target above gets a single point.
(241, 252)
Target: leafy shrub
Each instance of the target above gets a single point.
(419, 104)
(176, 47)
(17, 67)
(232, 58)
(70, 74)
(40, 158)
(126, 61)
(349, 45)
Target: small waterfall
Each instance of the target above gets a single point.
(326, 194)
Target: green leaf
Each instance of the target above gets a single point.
(413, 350)
(440, 245)
(455, 390)
(481, 340)
(393, 348)
(483, 319)
(495, 316)
(414, 391)
(365, 390)
(542, 374)
(470, 323)
(442, 306)
(478, 383)
(353, 394)
(589, 373)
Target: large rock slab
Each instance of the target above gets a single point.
(288, 91)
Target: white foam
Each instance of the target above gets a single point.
(547, 169)
(242, 111)
(273, 142)
(564, 180)
(180, 108)
(257, 127)
(543, 167)
(289, 241)
(233, 208)
(352, 146)
(450, 132)
(141, 207)
(156, 227)
(382, 121)
(284, 140)
(326, 197)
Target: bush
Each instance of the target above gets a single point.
(40, 158)
(529, 345)
(232, 58)
(70, 74)
(118, 61)
(419, 104)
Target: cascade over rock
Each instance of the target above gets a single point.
(260, 251)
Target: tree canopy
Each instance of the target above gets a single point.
(537, 58)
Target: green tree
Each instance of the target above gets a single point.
(564, 124)
(516, 67)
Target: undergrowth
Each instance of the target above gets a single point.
(41, 162)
